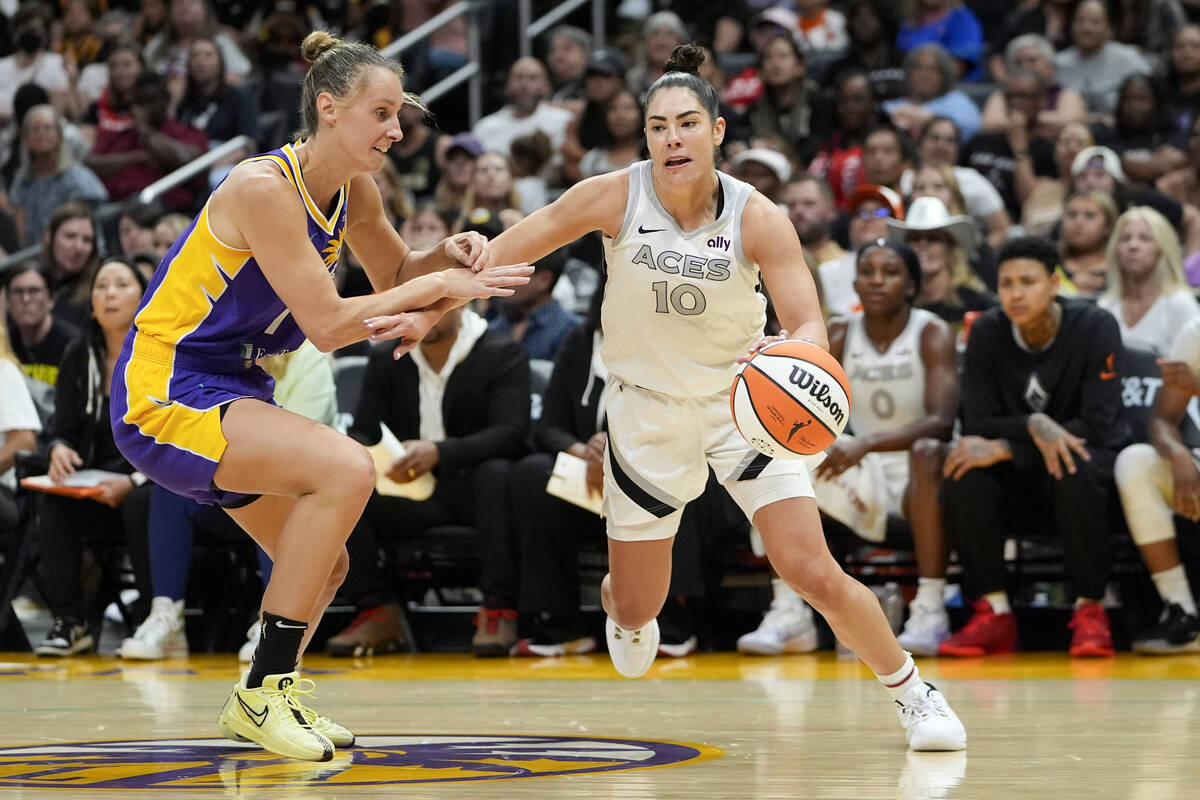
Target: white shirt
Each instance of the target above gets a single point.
(17, 412)
(837, 285)
(978, 193)
(496, 131)
(46, 71)
(431, 386)
(1162, 322)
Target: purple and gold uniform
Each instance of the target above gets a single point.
(208, 316)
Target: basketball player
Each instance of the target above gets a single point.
(249, 278)
(904, 379)
(684, 246)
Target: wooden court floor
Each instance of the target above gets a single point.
(713, 726)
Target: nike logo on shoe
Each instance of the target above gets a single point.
(650, 230)
(258, 717)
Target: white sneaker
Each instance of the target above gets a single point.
(929, 722)
(925, 629)
(160, 636)
(246, 654)
(632, 652)
(787, 627)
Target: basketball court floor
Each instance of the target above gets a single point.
(711, 726)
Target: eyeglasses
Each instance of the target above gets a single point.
(878, 213)
(27, 294)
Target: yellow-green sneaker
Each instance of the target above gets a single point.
(340, 736)
(272, 716)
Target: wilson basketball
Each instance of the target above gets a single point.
(791, 400)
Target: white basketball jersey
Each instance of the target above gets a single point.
(888, 389)
(679, 308)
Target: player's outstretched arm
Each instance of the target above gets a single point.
(267, 215)
(770, 241)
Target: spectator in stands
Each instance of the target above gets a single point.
(872, 29)
(31, 61)
(1183, 184)
(135, 226)
(397, 203)
(531, 315)
(765, 169)
(188, 20)
(458, 165)
(661, 34)
(1034, 53)
(953, 27)
(588, 129)
(785, 111)
(212, 105)
(822, 29)
(1013, 159)
(929, 92)
(938, 145)
(939, 181)
(77, 42)
(304, 385)
(907, 355)
(49, 175)
(27, 98)
(130, 160)
(1145, 138)
(1043, 208)
(567, 60)
(416, 157)
(531, 156)
(70, 256)
(1149, 25)
(1050, 19)
(19, 427)
(1087, 226)
(1147, 292)
(112, 27)
(839, 159)
(1182, 84)
(871, 207)
(459, 403)
(151, 20)
(948, 286)
(1095, 65)
(1159, 479)
(110, 112)
(887, 155)
(37, 337)
(426, 227)
(166, 231)
(810, 207)
(81, 438)
(526, 90)
(492, 188)
(1042, 425)
(624, 143)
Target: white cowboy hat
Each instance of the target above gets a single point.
(930, 214)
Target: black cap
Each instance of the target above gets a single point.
(606, 61)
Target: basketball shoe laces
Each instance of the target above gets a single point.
(288, 694)
(1088, 622)
(921, 707)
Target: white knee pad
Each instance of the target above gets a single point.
(1144, 481)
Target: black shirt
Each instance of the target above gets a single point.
(419, 170)
(1075, 380)
(991, 155)
(968, 300)
(42, 359)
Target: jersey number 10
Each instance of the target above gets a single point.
(685, 299)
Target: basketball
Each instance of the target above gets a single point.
(791, 400)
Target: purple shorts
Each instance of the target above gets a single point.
(166, 411)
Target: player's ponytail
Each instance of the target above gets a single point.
(683, 70)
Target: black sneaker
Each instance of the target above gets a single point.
(1176, 632)
(66, 638)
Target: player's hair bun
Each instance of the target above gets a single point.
(685, 58)
(316, 44)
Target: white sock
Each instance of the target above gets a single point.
(783, 593)
(999, 602)
(902, 679)
(1172, 585)
(930, 592)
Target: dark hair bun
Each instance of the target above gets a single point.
(685, 58)
(316, 44)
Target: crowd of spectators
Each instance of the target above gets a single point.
(1036, 166)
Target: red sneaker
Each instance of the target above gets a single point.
(1092, 637)
(985, 632)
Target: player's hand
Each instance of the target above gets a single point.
(469, 249)
(760, 344)
(1179, 375)
(498, 281)
(843, 454)
(974, 452)
(594, 455)
(63, 462)
(419, 458)
(1185, 477)
(113, 491)
(409, 327)
(1057, 445)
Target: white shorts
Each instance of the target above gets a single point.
(862, 497)
(659, 450)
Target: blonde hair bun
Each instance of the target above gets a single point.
(316, 44)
